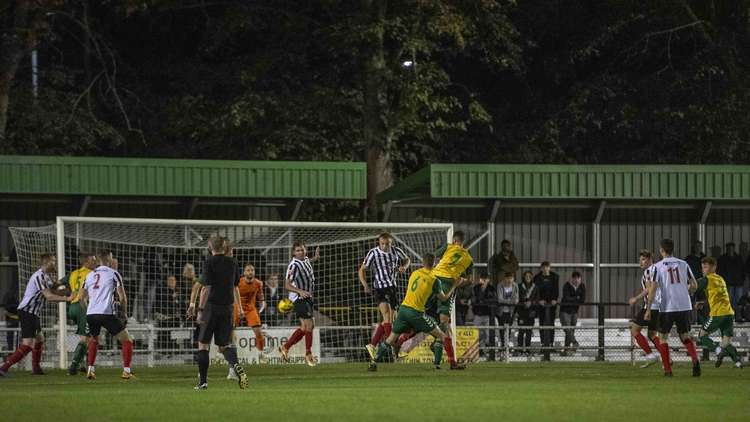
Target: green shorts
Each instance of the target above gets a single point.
(77, 314)
(444, 307)
(411, 318)
(724, 323)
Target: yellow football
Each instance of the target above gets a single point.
(285, 305)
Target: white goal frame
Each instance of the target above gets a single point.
(61, 221)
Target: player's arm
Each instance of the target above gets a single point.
(651, 286)
(440, 251)
(290, 287)
(363, 277)
(52, 297)
(261, 298)
(445, 296)
(317, 254)
(405, 261)
(238, 301)
(632, 301)
(692, 285)
(701, 284)
(193, 299)
(123, 298)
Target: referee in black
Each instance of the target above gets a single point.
(220, 278)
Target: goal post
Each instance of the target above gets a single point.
(154, 253)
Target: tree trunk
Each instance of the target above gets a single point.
(374, 111)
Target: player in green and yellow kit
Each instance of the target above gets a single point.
(422, 286)
(454, 261)
(77, 309)
(721, 317)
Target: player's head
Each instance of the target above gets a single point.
(249, 271)
(459, 237)
(546, 267)
(730, 248)
(508, 278)
(105, 257)
(273, 280)
(299, 250)
(216, 245)
(666, 247)
(506, 246)
(645, 259)
(48, 263)
(527, 277)
(114, 264)
(708, 265)
(385, 240)
(171, 281)
(428, 260)
(188, 271)
(87, 260)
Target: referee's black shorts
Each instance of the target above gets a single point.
(680, 318)
(113, 324)
(30, 325)
(652, 324)
(303, 308)
(387, 295)
(216, 324)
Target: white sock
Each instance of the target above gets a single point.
(91, 368)
(126, 370)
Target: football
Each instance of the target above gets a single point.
(60, 289)
(285, 305)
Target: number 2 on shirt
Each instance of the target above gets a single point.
(96, 284)
(674, 275)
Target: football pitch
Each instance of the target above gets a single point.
(333, 392)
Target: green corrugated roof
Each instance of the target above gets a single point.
(191, 178)
(530, 181)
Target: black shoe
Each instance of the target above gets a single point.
(241, 376)
(200, 386)
(457, 366)
(668, 374)
(696, 369)
(373, 367)
(38, 372)
(436, 366)
(83, 369)
(72, 371)
(720, 358)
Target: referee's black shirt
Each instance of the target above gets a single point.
(221, 273)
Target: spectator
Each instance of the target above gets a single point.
(482, 299)
(168, 311)
(528, 298)
(507, 297)
(503, 262)
(463, 298)
(731, 269)
(273, 295)
(10, 303)
(694, 259)
(574, 293)
(548, 284)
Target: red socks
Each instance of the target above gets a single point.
(666, 362)
(127, 353)
(296, 336)
(260, 343)
(91, 355)
(308, 342)
(643, 343)
(690, 345)
(448, 346)
(19, 354)
(387, 329)
(36, 357)
(378, 335)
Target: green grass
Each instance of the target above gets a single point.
(557, 391)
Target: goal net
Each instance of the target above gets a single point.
(154, 258)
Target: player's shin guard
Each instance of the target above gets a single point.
(203, 365)
(19, 354)
(36, 356)
(78, 355)
(127, 354)
(296, 336)
(378, 335)
(643, 343)
(92, 350)
(690, 346)
(448, 345)
(308, 342)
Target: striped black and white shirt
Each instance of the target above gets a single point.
(384, 265)
(33, 298)
(649, 275)
(300, 273)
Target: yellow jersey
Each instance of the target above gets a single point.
(716, 292)
(76, 280)
(453, 263)
(421, 287)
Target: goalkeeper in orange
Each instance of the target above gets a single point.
(251, 292)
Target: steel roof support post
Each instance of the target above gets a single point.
(702, 225)
(596, 255)
(387, 211)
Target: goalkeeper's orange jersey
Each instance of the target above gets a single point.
(250, 293)
(453, 263)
